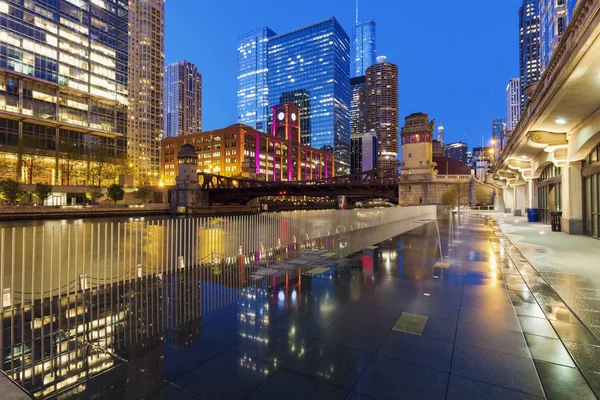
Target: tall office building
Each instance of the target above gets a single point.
(316, 59)
(63, 89)
(358, 122)
(364, 154)
(146, 88)
(253, 93)
(457, 151)
(440, 138)
(183, 99)
(498, 133)
(530, 63)
(555, 16)
(364, 51)
(513, 103)
(381, 97)
(301, 99)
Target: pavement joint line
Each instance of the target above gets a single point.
(518, 253)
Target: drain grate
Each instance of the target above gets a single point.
(411, 323)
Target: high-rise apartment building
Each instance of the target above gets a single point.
(183, 99)
(358, 122)
(63, 90)
(554, 18)
(530, 62)
(513, 103)
(146, 88)
(316, 58)
(253, 93)
(301, 99)
(381, 98)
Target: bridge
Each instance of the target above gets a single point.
(378, 183)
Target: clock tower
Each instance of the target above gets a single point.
(417, 146)
(286, 129)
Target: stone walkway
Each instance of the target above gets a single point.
(556, 279)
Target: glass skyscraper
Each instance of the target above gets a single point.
(530, 62)
(253, 93)
(364, 51)
(63, 88)
(513, 103)
(316, 58)
(555, 16)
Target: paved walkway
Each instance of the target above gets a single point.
(559, 279)
(472, 332)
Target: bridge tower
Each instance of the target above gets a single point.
(187, 189)
(286, 126)
(417, 147)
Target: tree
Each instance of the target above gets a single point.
(482, 198)
(93, 193)
(42, 192)
(10, 191)
(144, 193)
(449, 198)
(115, 193)
(70, 160)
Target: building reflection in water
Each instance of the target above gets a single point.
(59, 342)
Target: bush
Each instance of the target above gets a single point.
(144, 193)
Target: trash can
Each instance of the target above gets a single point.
(555, 217)
(532, 215)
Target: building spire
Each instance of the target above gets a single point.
(356, 12)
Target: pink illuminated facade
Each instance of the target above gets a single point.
(240, 151)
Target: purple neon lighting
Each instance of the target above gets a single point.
(326, 166)
(257, 154)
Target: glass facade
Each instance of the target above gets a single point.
(498, 132)
(549, 192)
(300, 99)
(529, 46)
(513, 104)
(591, 193)
(316, 58)
(64, 66)
(183, 99)
(358, 107)
(253, 93)
(364, 49)
(555, 16)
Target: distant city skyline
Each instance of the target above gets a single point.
(195, 31)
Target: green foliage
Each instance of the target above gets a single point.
(449, 198)
(115, 193)
(144, 193)
(42, 192)
(482, 198)
(10, 191)
(93, 193)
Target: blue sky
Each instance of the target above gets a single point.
(455, 58)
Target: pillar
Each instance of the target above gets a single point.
(531, 201)
(514, 205)
(572, 195)
(520, 200)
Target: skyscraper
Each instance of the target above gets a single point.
(301, 99)
(63, 90)
(183, 99)
(555, 16)
(498, 132)
(457, 151)
(316, 58)
(364, 50)
(513, 103)
(358, 122)
(381, 97)
(530, 62)
(146, 88)
(253, 93)
(441, 135)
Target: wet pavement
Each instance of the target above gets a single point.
(335, 335)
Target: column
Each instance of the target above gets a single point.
(514, 206)
(572, 195)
